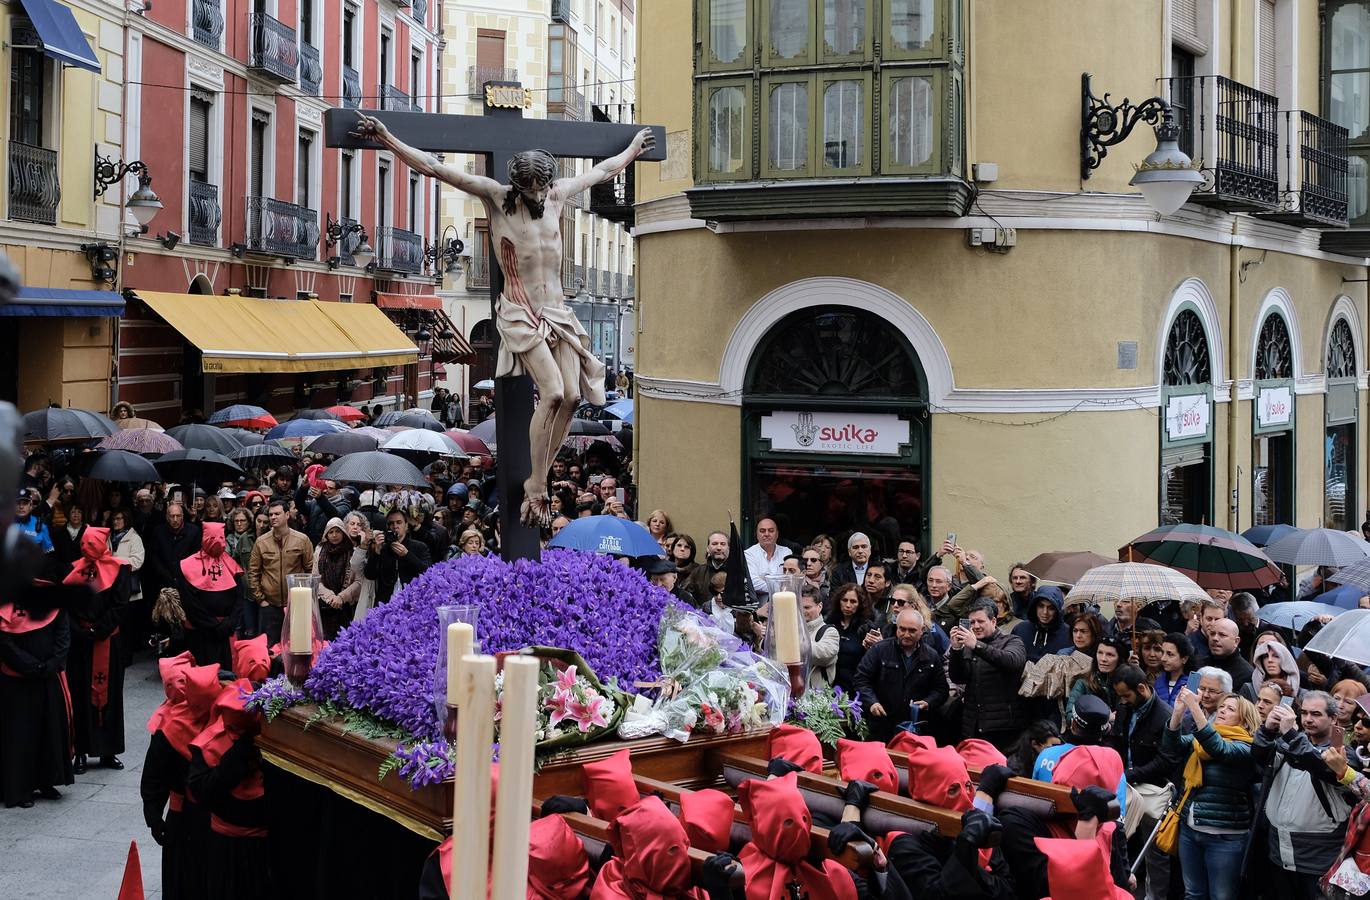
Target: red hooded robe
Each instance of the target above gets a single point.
(778, 851)
(651, 857)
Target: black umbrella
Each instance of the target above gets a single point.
(588, 426)
(375, 468)
(194, 466)
(205, 437)
(121, 465)
(410, 418)
(263, 454)
(56, 424)
(343, 443)
(315, 414)
(243, 436)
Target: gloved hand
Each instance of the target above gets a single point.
(158, 829)
(993, 780)
(779, 767)
(978, 830)
(843, 834)
(1095, 803)
(560, 803)
(858, 793)
(716, 875)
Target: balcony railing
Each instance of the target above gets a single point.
(613, 199)
(35, 188)
(311, 70)
(478, 273)
(205, 213)
(352, 88)
(579, 274)
(569, 283)
(278, 228)
(1315, 172)
(567, 102)
(398, 250)
(561, 11)
(1234, 132)
(594, 283)
(207, 22)
(477, 76)
(394, 99)
(420, 11)
(630, 286)
(618, 285)
(275, 48)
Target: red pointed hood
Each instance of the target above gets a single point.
(1087, 765)
(19, 621)
(558, 868)
(1078, 870)
(708, 819)
(229, 720)
(979, 753)
(867, 761)
(938, 777)
(97, 567)
(651, 856)
(799, 745)
(250, 658)
(191, 691)
(211, 569)
(775, 857)
(172, 670)
(907, 742)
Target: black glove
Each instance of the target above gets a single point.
(158, 829)
(779, 767)
(560, 803)
(843, 834)
(1095, 803)
(858, 793)
(716, 875)
(978, 830)
(993, 780)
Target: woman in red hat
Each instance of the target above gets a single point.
(95, 668)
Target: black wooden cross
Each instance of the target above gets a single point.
(497, 136)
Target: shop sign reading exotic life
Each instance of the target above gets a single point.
(1273, 406)
(827, 432)
(1187, 417)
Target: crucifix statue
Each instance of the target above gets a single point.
(539, 335)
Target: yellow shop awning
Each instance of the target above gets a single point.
(246, 334)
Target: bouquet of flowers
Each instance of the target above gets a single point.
(830, 713)
(574, 706)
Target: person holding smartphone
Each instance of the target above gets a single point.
(899, 673)
(990, 664)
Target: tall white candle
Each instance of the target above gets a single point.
(301, 620)
(785, 621)
(460, 636)
(471, 802)
(513, 805)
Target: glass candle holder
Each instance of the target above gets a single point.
(449, 638)
(302, 629)
(787, 639)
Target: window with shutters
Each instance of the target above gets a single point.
(347, 172)
(1347, 94)
(349, 36)
(1184, 92)
(415, 204)
(1187, 27)
(304, 169)
(204, 211)
(383, 212)
(197, 149)
(386, 40)
(1268, 51)
(417, 89)
(261, 146)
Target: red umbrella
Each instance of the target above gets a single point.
(473, 446)
(347, 413)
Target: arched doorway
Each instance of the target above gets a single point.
(1187, 427)
(1272, 422)
(483, 366)
(1339, 507)
(835, 430)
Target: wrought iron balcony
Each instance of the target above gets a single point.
(420, 11)
(205, 213)
(477, 76)
(398, 250)
(35, 188)
(207, 23)
(1232, 131)
(275, 48)
(613, 199)
(311, 70)
(352, 88)
(394, 99)
(1315, 176)
(478, 273)
(278, 228)
(561, 11)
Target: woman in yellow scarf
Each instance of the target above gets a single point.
(1217, 809)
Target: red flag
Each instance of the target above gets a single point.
(132, 886)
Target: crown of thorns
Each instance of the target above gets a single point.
(532, 166)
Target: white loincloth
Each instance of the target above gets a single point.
(519, 334)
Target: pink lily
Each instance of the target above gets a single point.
(566, 681)
(561, 706)
(589, 714)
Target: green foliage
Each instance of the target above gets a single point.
(830, 714)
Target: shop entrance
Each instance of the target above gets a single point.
(835, 431)
(1272, 446)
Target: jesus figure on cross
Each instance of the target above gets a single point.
(539, 334)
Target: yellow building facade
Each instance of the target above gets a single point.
(877, 292)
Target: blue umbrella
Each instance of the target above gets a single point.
(1347, 596)
(1267, 534)
(621, 410)
(608, 534)
(301, 428)
(1297, 613)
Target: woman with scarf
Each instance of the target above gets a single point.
(1108, 655)
(1274, 664)
(1216, 808)
(125, 543)
(95, 667)
(66, 539)
(35, 740)
(338, 588)
(1176, 656)
(240, 536)
(212, 589)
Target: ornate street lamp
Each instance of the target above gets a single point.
(144, 202)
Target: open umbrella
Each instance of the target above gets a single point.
(582, 442)
(1345, 597)
(267, 453)
(244, 437)
(1345, 637)
(205, 437)
(608, 534)
(588, 427)
(419, 445)
(375, 468)
(1264, 535)
(1318, 547)
(1357, 573)
(301, 428)
(1297, 613)
(243, 415)
(469, 443)
(344, 442)
(65, 425)
(1212, 557)
(315, 415)
(346, 413)
(485, 384)
(193, 466)
(124, 466)
(1065, 566)
(410, 418)
(1134, 581)
(140, 440)
(137, 423)
(485, 431)
(622, 410)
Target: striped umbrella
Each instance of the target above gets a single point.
(1357, 573)
(1212, 557)
(1134, 581)
(243, 415)
(141, 440)
(136, 423)
(1265, 535)
(1318, 547)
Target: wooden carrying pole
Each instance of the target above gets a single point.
(471, 802)
(514, 801)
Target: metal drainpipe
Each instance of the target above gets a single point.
(1233, 356)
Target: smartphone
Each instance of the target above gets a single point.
(1338, 737)
(951, 538)
(914, 710)
(596, 479)
(965, 624)
(1287, 701)
(1193, 683)
(620, 494)
(178, 497)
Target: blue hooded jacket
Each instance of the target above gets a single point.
(1040, 640)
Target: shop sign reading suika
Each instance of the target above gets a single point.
(1187, 416)
(1274, 405)
(829, 432)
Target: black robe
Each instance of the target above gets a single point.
(99, 732)
(35, 736)
(211, 618)
(185, 826)
(235, 867)
(929, 867)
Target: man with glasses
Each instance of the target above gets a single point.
(815, 576)
(898, 674)
(907, 569)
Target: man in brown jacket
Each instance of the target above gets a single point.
(276, 554)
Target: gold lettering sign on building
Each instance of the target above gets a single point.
(508, 96)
